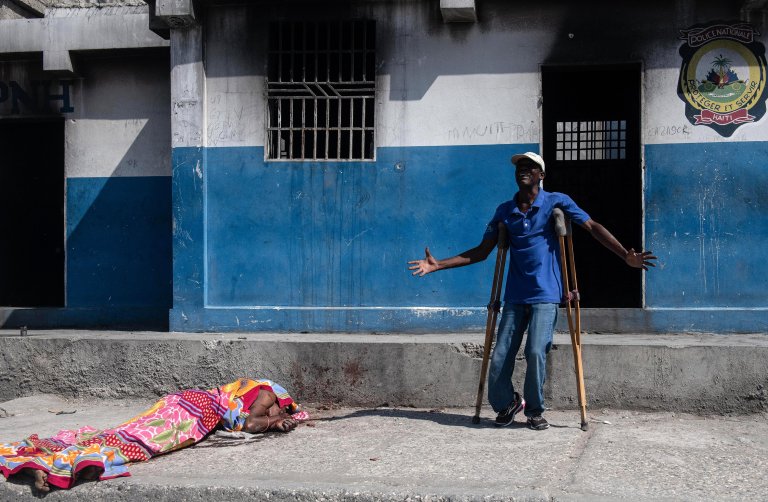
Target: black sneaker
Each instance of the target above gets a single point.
(537, 423)
(507, 416)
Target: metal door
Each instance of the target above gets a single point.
(591, 146)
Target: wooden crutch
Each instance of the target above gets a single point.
(494, 306)
(564, 232)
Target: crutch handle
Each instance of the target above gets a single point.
(502, 245)
(571, 296)
(562, 224)
(495, 306)
(503, 242)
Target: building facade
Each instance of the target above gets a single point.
(85, 131)
(293, 156)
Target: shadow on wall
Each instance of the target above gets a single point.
(118, 226)
(119, 239)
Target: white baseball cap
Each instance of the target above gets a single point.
(529, 155)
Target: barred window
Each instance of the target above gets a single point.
(320, 90)
(591, 140)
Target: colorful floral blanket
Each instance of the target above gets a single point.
(174, 422)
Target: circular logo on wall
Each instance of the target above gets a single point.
(722, 78)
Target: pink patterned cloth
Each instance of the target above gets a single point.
(175, 421)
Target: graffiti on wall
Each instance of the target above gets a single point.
(496, 131)
(35, 96)
(722, 77)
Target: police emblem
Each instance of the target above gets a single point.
(722, 77)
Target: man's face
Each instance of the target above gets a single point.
(528, 173)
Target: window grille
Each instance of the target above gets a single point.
(591, 140)
(320, 90)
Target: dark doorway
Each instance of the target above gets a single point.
(591, 144)
(32, 213)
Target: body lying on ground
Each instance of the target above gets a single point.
(176, 421)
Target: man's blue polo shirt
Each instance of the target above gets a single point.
(534, 250)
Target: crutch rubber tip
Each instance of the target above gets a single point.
(584, 426)
(476, 419)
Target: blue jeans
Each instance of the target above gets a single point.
(539, 319)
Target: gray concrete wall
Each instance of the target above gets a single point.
(78, 29)
(694, 373)
(12, 10)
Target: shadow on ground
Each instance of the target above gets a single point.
(436, 415)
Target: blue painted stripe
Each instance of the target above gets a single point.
(414, 320)
(707, 220)
(281, 319)
(118, 242)
(326, 243)
(336, 234)
(188, 224)
(339, 234)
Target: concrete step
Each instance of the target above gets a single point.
(701, 373)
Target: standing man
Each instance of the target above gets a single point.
(534, 285)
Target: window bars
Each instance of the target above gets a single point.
(321, 87)
(591, 140)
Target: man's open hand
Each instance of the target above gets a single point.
(640, 260)
(425, 266)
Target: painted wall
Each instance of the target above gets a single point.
(323, 246)
(705, 198)
(117, 177)
(118, 186)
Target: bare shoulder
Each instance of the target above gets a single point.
(264, 400)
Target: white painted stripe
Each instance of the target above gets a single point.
(236, 111)
(102, 148)
(188, 85)
(454, 110)
(462, 110)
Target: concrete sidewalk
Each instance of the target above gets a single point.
(413, 454)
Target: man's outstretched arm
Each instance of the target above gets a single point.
(632, 258)
(430, 264)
